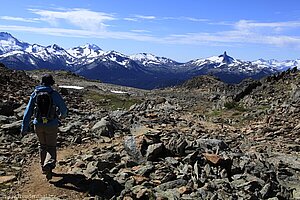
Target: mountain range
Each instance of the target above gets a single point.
(141, 70)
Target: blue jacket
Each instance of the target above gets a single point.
(57, 100)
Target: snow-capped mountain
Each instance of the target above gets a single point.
(141, 70)
(8, 43)
(226, 63)
(148, 59)
(280, 65)
(87, 51)
(227, 68)
(221, 59)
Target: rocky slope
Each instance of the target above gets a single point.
(202, 140)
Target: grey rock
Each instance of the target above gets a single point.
(13, 128)
(132, 148)
(171, 194)
(264, 192)
(191, 157)
(20, 111)
(177, 145)
(91, 170)
(3, 119)
(88, 157)
(139, 191)
(105, 127)
(171, 160)
(70, 126)
(171, 184)
(202, 193)
(105, 165)
(211, 144)
(109, 156)
(129, 183)
(145, 170)
(154, 151)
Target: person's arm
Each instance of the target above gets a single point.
(63, 110)
(28, 113)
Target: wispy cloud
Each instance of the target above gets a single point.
(151, 17)
(237, 36)
(20, 19)
(81, 33)
(247, 24)
(130, 19)
(140, 31)
(193, 19)
(148, 17)
(218, 38)
(87, 23)
(83, 18)
(268, 27)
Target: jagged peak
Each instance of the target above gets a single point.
(88, 46)
(113, 52)
(9, 43)
(34, 48)
(5, 35)
(92, 46)
(226, 59)
(55, 47)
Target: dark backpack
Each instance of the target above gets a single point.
(45, 110)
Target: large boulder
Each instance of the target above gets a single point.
(105, 127)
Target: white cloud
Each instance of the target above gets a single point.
(140, 31)
(269, 26)
(193, 19)
(81, 33)
(149, 17)
(217, 38)
(20, 19)
(87, 23)
(130, 19)
(249, 23)
(233, 37)
(83, 18)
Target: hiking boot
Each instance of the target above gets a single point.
(49, 175)
(47, 170)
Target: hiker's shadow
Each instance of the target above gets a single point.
(80, 183)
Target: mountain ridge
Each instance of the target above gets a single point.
(142, 70)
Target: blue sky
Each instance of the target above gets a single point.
(178, 29)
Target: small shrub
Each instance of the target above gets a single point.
(234, 105)
(111, 101)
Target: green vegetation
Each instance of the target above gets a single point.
(215, 113)
(232, 105)
(111, 101)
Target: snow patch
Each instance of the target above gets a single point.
(118, 92)
(71, 87)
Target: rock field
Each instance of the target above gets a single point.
(201, 140)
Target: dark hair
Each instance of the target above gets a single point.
(47, 80)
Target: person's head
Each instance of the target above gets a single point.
(47, 80)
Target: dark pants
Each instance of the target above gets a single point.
(47, 137)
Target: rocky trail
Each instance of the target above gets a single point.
(35, 185)
(63, 185)
(202, 140)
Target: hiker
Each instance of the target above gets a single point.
(47, 106)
